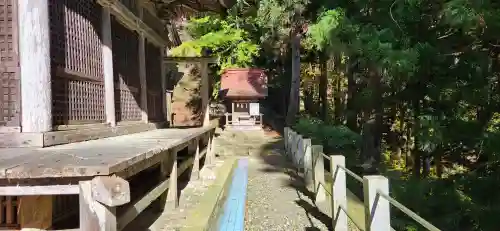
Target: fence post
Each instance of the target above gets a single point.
(291, 138)
(319, 173)
(299, 151)
(308, 167)
(293, 145)
(285, 139)
(377, 209)
(339, 194)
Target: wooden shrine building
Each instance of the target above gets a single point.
(242, 88)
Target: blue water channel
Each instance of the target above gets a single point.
(233, 213)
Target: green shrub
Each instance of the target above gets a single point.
(334, 138)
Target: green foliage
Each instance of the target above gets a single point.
(334, 138)
(322, 34)
(234, 47)
(438, 63)
(429, 133)
(430, 68)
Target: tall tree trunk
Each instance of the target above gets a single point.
(293, 107)
(376, 86)
(338, 94)
(427, 156)
(323, 86)
(408, 140)
(351, 115)
(395, 136)
(309, 105)
(417, 161)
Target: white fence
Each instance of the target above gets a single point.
(309, 159)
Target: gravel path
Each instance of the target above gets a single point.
(276, 198)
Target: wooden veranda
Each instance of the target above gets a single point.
(118, 176)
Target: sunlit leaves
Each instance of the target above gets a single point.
(324, 33)
(233, 46)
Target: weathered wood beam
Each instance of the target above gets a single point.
(142, 78)
(39, 190)
(111, 191)
(163, 74)
(205, 98)
(34, 212)
(98, 200)
(107, 62)
(195, 173)
(94, 215)
(134, 22)
(172, 197)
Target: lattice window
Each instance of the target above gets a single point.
(127, 105)
(75, 37)
(76, 101)
(9, 91)
(126, 73)
(7, 21)
(76, 50)
(153, 80)
(9, 78)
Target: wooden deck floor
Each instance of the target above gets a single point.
(122, 155)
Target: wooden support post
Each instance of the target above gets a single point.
(289, 142)
(142, 70)
(98, 200)
(107, 61)
(164, 97)
(168, 94)
(233, 116)
(172, 193)
(205, 89)
(319, 173)
(210, 157)
(377, 209)
(307, 163)
(339, 194)
(34, 63)
(195, 174)
(94, 215)
(142, 78)
(165, 171)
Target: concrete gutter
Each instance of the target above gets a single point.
(204, 216)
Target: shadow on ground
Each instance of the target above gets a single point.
(272, 155)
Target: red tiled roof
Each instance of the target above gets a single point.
(244, 82)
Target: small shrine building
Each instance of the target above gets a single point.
(242, 89)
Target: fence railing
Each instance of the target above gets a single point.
(309, 159)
